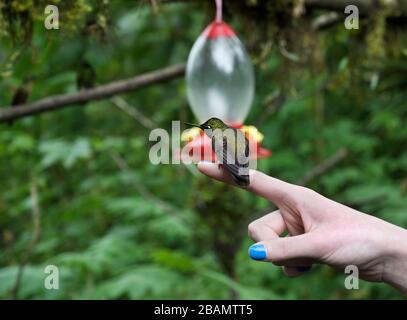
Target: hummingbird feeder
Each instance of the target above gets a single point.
(220, 83)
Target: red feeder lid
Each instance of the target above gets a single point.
(218, 29)
(263, 153)
(200, 149)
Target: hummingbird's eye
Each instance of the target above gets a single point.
(209, 127)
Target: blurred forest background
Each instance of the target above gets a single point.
(77, 189)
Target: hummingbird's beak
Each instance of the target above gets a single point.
(192, 125)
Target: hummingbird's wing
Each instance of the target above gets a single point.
(236, 163)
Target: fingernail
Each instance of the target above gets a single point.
(303, 269)
(257, 252)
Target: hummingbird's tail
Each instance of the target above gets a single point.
(242, 180)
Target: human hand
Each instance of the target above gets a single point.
(321, 231)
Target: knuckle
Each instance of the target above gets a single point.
(307, 195)
(277, 255)
(251, 228)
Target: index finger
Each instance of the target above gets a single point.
(261, 184)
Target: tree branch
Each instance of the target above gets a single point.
(144, 192)
(147, 123)
(323, 167)
(326, 20)
(107, 90)
(364, 6)
(132, 112)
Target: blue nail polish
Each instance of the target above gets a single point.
(258, 252)
(303, 269)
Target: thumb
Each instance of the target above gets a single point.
(291, 251)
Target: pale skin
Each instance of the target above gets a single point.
(322, 231)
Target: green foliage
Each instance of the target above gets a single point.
(65, 153)
(144, 231)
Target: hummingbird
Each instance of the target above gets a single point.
(231, 148)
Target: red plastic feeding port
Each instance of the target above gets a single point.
(218, 29)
